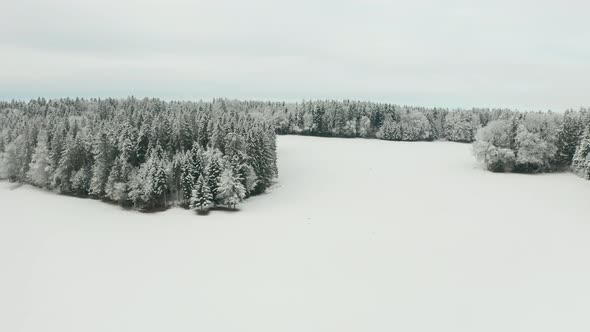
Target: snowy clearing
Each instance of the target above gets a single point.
(370, 236)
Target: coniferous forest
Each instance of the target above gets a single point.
(149, 154)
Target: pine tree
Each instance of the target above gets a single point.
(197, 161)
(567, 139)
(81, 181)
(116, 188)
(233, 144)
(581, 158)
(388, 131)
(177, 163)
(148, 186)
(187, 179)
(56, 147)
(159, 178)
(201, 199)
(318, 123)
(103, 159)
(74, 156)
(213, 172)
(261, 152)
(141, 146)
(217, 140)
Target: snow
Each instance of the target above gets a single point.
(358, 235)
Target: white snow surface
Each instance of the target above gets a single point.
(357, 235)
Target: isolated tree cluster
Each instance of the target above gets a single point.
(536, 142)
(148, 154)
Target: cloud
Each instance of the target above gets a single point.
(525, 54)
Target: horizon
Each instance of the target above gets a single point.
(300, 101)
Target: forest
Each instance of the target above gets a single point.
(147, 154)
(503, 140)
(150, 154)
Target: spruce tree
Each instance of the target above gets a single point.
(187, 178)
(177, 163)
(213, 172)
(581, 159)
(567, 139)
(102, 155)
(148, 186)
(116, 188)
(80, 181)
(201, 199)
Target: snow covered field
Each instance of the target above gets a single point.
(358, 235)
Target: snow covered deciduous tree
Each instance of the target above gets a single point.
(9, 169)
(534, 153)
(231, 191)
(492, 146)
(39, 168)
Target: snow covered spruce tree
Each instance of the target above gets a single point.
(581, 158)
(201, 198)
(568, 137)
(142, 153)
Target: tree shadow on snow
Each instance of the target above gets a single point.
(225, 209)
(14, 186)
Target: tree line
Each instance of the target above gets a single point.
(378, 120)
(150, 154)
(144, 153)
(504, 140)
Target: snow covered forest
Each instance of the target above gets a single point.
(504, 140)
(148, 154)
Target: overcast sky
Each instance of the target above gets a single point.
(527, 54)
